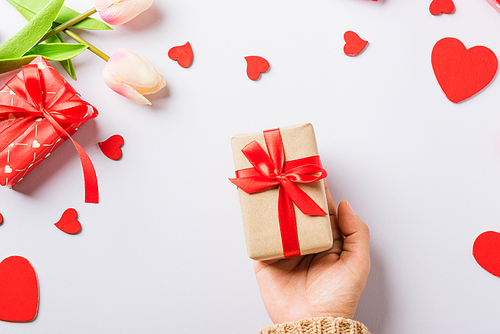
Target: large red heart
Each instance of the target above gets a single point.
(441, 6)
(183, 54)
(68, 222)
(486, 251)
(18, 290)
(111, 147)
(353, 43)
(255, 66)
(462, 72)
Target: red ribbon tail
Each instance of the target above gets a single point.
(305, 203)
(288, 226)
(89, 176)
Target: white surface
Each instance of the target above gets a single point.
(164, 251)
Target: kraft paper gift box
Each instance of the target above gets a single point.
(274, 190)
(39, 110)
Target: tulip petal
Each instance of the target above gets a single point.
(123, 89)
(160, 84)
(101, 4)
(117, 12)
(132, 69)
(132, 76)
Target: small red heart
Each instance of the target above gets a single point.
(68, 222)
(111, 147)
(183, 54)
(255, 66)
(462, 72)
(1, 219)
(486, 251)
(353, 43)
(18, 290)
(441, 6)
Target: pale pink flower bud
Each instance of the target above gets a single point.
(117, 12)
(132, 76)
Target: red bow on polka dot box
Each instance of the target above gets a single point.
(39, 110)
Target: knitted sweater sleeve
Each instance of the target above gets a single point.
(328, 325)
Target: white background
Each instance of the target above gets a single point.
(164, 251)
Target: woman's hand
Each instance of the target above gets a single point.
(320, 285)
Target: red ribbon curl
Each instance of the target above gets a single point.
(57, 109)
(272, 170)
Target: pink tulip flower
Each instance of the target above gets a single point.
(117, 12)
(132, 76)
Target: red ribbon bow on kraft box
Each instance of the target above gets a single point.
(282, 196)
(39, 110)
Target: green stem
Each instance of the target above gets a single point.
(91, 47)
(69, 23)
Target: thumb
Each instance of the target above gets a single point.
(356, 249)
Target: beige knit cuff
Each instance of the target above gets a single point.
(327, 325)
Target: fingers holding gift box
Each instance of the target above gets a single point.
(282, 197)
(39, 110)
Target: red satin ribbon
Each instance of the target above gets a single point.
(272, 170)
(56, 109)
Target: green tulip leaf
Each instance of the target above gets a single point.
(66, 64)
(25, 11)
(7, 65)
(32, 32)
(29, 8)
(89, 23)
(57, 51)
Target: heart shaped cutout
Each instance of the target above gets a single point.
(18, 290)
(441, 7)
(462, 72)
(353, 44)
(486, 251)
(111, 147)
(7, 169)
(255, 66)
(183, 54)
(69, 222)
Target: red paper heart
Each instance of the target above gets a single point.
(18, 290)
(183, 54)
(462, 72)
(68, 222)
(255, 66)
(353, 43)
(111, 147)
(441, 6)
(486, 251)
